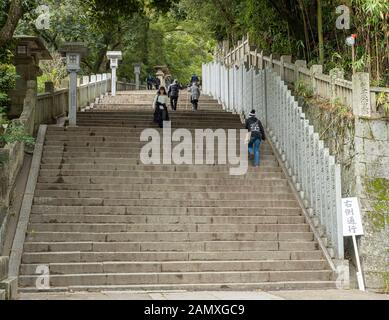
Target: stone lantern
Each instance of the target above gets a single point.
(137, 67)
(160, 74)
(114, 57)
(29, 51)
(73, 51)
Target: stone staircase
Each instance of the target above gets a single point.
(102, 220)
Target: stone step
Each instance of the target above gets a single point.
(137, 145)
(149, 179)
(176, 266)
(164, 202)
(166, 219)
(178, 211)
(127, 161)
(179, 277)
(116, 135)
(189, 116)
(265, 286)
(152, 125)
(277, 188)
(111, 131)
(148, 101)
(297, 230)
(79, 256)
(175, 122)
(145, 122)
(166, 174)
(198, 159)
(117, 141)
(148, 106)
(274, 240)
(160, 181)
(146, 167)
(79, 242)
(164, 195)
(136, 151)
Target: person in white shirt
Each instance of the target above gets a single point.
(160, 107)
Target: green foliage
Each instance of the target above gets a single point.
(52, 71)
(383, 102)
(12, 131)
(378, 190)
(302, 89)
(182, 45)
(7, 82)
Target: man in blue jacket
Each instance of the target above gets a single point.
(257, 135)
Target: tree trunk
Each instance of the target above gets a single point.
(14, 14)
(378, 75)
(320, 31)
(307, 45)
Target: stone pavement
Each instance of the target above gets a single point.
(209, 295)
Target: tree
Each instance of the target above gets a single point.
(320, 31)
(9, 23)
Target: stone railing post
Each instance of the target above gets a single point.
(335, 73)
(283, 59)
(104, 78)
(239, 51)
(271, 61)
(297, 65)
(260, 61)
(49, 88)
(315, 69)
(99, 84)
(93, 87)
(361, 94)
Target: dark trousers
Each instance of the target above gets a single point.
(195, 104)
(149, 86)
(161, 115)
(173, 102)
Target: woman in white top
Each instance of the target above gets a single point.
(160, 107)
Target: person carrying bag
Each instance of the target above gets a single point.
(160, 107)
(254, 137)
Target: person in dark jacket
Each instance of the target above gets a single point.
(157, 83)
(173, 93)
(257, 135)
(149, 81)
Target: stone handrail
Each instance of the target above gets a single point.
(125, 86)
(332, 87)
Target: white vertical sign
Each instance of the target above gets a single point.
(352, 222)
(352, 226)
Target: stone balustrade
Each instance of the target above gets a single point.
(312, 169)
(330, 87)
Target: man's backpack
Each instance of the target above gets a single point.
(255, 129)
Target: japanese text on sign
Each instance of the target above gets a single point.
(352, 222)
